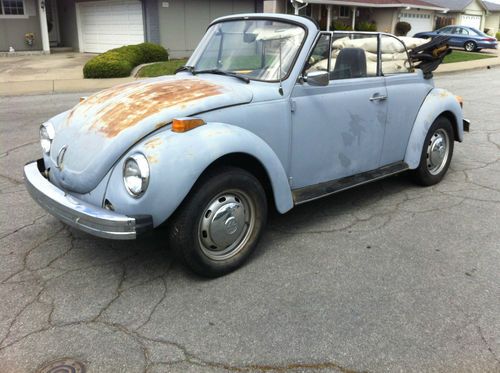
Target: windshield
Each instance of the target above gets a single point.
(250, 48)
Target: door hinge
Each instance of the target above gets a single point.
(293, 106)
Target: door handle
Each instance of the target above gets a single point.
(378, 97)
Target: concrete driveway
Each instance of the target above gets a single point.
(388, 277)
(57, 66)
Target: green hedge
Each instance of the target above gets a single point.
(119, 62)
(498, 36)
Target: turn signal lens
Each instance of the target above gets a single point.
(460, 101)
(186, 124)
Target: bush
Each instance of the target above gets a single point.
(119, 62)
(498, 36)
(366, 26)
(402, 28)
(339, 26)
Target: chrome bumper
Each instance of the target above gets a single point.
(79, 214)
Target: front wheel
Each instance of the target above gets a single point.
(470, 46)
(219, 224)
(436, 153)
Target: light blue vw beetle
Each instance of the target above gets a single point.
(268, 112)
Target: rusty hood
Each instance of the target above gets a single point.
(98, 131)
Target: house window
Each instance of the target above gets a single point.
(344, 12)
(12, 7)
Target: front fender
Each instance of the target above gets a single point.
(177, 160)
(437, 102)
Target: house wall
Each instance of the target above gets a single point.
(184, 22)
(384, 18)
(12, 30)
(67, 23)
(492, 22)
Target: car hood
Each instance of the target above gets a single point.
(98, 131)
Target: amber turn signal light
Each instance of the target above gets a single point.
(186, 124)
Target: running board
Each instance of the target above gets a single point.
(313, 192)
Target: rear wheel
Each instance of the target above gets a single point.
(436, 153)
(219, 224)
(470, 46)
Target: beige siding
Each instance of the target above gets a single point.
(384, 19)
(493, 22)
(184, 22)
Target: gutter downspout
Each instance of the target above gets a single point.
(43, 26)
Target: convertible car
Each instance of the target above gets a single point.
(269, 112)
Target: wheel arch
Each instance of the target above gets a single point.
(439, 102)
(248, 163)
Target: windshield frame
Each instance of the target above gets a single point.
(261, 18)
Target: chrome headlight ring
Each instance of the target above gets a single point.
(47, 134)
(136, 174)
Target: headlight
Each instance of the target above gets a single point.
(47, 134)
(136, 174)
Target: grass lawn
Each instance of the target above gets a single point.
(460, 56)
(161, 68)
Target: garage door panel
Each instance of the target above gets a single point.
(110, 24)
(419, 21)
(471, 21)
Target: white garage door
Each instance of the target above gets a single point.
(471, 21)
(110, 24)
(419, 21)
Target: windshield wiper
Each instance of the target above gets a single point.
(221, 72)
(185, 68)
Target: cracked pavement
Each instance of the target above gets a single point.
(386, 277)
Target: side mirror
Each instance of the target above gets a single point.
(319, 78)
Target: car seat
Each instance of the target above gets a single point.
(350, 63)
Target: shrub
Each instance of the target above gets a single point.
(366, 26)
(498, 36)
(339, 26)
(119, 62)
(402, 28)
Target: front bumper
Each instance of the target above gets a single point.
(79, 214)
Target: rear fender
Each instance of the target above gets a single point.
(177, 160)
(438, 102)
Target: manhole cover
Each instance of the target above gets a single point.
(65, 365)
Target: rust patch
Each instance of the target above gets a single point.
(147, 100)
(153, 143)
(152, 158)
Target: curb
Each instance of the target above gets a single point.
(58, 86)
(79, 85)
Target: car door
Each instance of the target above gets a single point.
(406, 90)
(338, 129)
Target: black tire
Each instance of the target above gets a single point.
(470, 46)
(428, 173)
(199, 245)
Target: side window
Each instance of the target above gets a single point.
(394, 56)
(353, 56)
(319, 60)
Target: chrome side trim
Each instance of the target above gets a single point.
(79, 214)
(313, 192)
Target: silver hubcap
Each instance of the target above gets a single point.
(226, 225)
(469, 47)
(437, 151)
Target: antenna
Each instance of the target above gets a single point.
(280, 89)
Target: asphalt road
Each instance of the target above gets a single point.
(387, 277)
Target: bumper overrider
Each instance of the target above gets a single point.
(79, 214)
